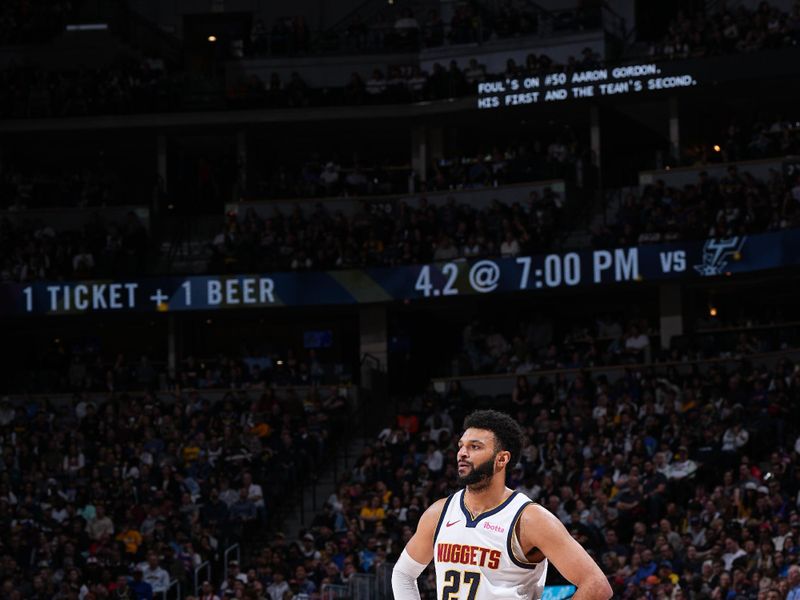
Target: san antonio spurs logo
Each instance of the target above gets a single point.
(716, 254)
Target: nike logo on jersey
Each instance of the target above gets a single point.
(450, 524)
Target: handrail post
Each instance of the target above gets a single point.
(207, 566)
(229, 550)
(175, 583)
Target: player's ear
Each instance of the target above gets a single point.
(503, 458)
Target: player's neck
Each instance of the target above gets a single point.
(482, 499)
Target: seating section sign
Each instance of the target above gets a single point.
(678, 261)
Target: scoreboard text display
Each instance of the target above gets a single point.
(590, 83)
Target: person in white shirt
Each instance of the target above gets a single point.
(732, 552)
(307, 547)
(475, 72)
(697, 532)
(234, 573)
(83, 261)
(7, 412)
(682, 467)
(510, 246)
(208, 592)
(472, 247)
(74, 462)
(445, 250)
(734, 438)
(101, 526)
(278, 587)
(59, 512)
(434, 458)
(662, 465)
(376, 84)
(438, 423)
(153, 574)
(406, 22)
(256, 495)
(636, 340)
(226, 494)
(254, 492)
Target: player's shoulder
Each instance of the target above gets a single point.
(534, 513)
(437, 507)
(434, 512)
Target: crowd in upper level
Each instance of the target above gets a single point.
(81, 367)
(728, 31)
(736, 203)
(33, 21)
(31, 251)
(398, 28)
(397, 233)
(537, 344)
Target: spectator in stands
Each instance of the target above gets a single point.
(376, 85)
(297, 91)
(207, 592)
(407, 28)
(153, 574)
(354, 90)
(259, 38)
(277, 590)
(140, 588)
(475, 72)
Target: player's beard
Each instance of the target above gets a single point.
(479, 476)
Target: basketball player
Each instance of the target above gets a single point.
(488, 542)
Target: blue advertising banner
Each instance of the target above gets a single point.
(658, 262)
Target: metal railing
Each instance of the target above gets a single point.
(362, 587)
(379, 587)
(228, 551)
(205, 566)
(330, 591)
(175, 583)
(383, 581)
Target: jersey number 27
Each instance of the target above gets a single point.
(453, 584)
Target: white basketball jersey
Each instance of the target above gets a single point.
(481, 558)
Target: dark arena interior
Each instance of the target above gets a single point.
(259, 259)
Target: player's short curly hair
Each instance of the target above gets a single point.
(506, 430)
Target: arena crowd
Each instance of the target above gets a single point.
(681, 485)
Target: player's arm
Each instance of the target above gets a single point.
(539, 528)
(417, 554)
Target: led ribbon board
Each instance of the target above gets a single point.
(677, 261)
